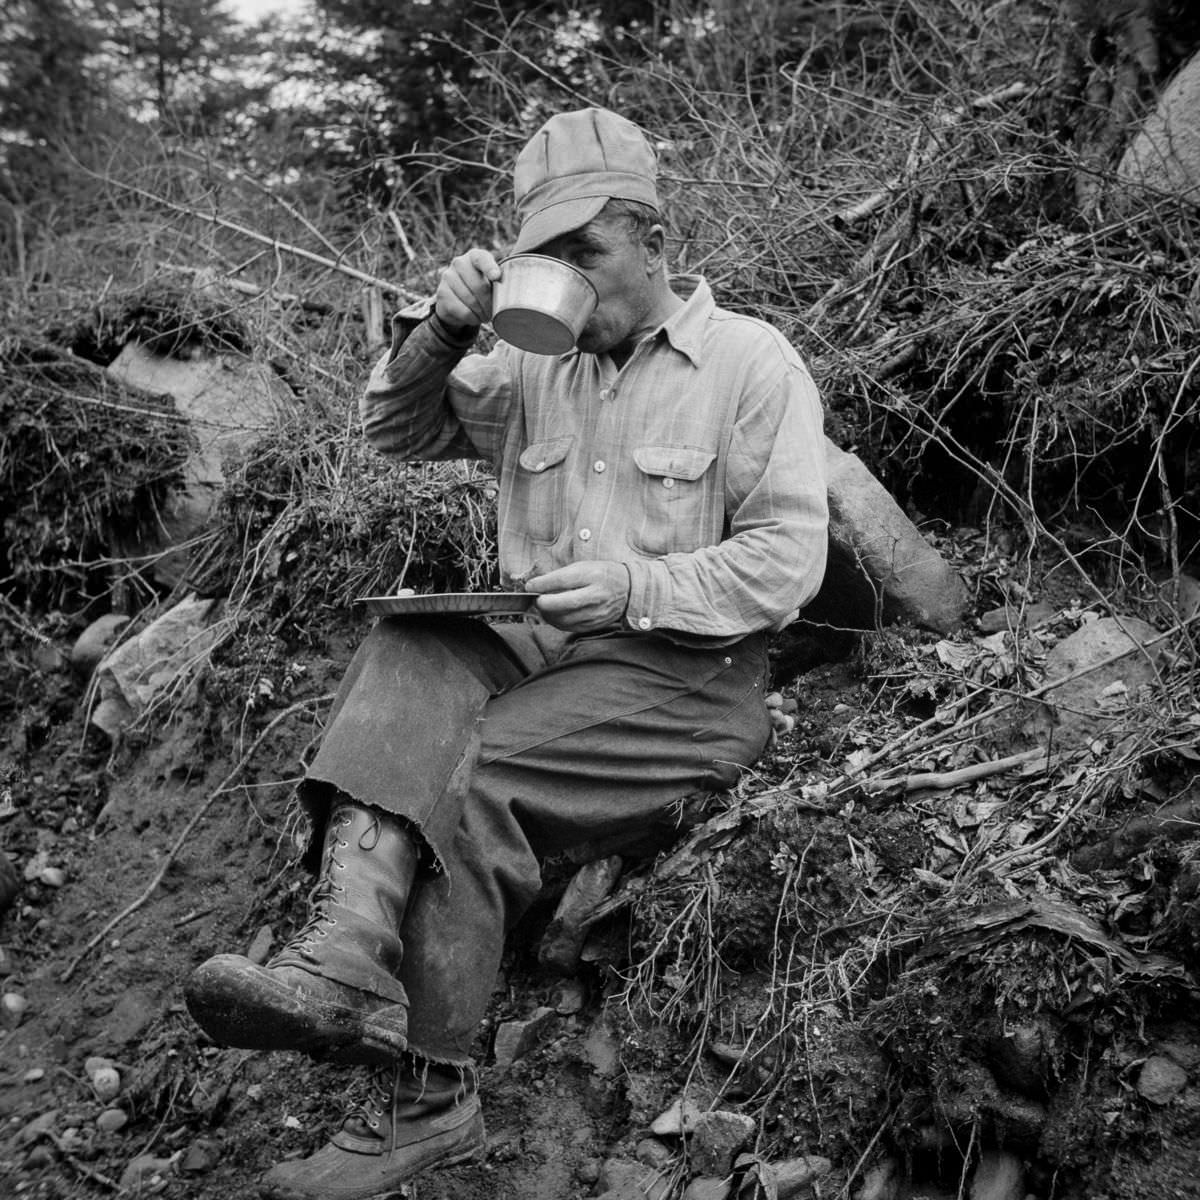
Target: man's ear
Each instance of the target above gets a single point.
(655, 243)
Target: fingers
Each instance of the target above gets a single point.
(464, 292)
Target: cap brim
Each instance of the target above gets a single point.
(555, 220)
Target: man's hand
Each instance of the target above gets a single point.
(582, 596)
(464, 293)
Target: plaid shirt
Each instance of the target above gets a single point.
(700, 464)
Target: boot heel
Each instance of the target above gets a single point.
(386, 1029)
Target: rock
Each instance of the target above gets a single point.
(156, 658)
(34, 1075)
(677, 1120)
(1013, 616)
(39, 1157)
(795, 1175)
(717, 1138)
(202, 1155)
(106, 1083)
(260, 947)
(652, 1152)
(1093, 701)
(13, 1006)
(588, 1171)
(563, 941)
(230, 402)
(1017, 1059)
(881, 1182)
(1180, 596)
(570, 997)
(999, 1175)
(37, 1129)
(1161, 1079)
(621, 1179)
(111, 1120)
(515, 1039)
(602, 1049)
(93, 643)
(708, 1189)
(10, 883)
(880, 566)
(48, 658)
(144, 1171)
(1164, 155)
(53, 877)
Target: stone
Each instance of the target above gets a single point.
(106, 1083)
(562, 943)
(229, 401)
(143, 1171)
(515, 1039)
(796, 1175)
(37, 1129)
(881, 1182)
(1161, 1079)
(999, 1175)
(259, 949)
(13, 1007)
(1013, 616)
(570, 997)
(1164, 155)
(1096, 700)
(111, 1120)
(157, 658)
(652, 1152)
(621, 1179)
(602, 1049)
(677, 1120)
(881, 568)
(202, 1155)
(93, 643)
(707, 1189)
(717, 1138)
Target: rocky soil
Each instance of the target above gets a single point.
(134, 860)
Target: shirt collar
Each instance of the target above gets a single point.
(685, 327)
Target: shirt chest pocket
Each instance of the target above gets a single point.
(680, 508)
(538, 495)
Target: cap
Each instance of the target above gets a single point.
(573, 166)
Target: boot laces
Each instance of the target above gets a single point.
(325, 891)
(381, 1103)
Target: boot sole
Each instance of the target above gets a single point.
(238, 1004)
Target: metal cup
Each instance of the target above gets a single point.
(541, 304)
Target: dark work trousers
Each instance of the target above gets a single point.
(503, 744)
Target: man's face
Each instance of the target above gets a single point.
(620, 269)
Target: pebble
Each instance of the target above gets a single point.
(39, 1156)
(652, 1152)
(37, 1128)
(33, 1075)
(14, 1006)
(260, 947)
(677, 1120)
(112, 1119)
(570, 997)
(142, 1170)
(202, 1155)
(106, 1083)
(53, 877)
(1161, 1079)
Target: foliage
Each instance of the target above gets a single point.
(86, 466)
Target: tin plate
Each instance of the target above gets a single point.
(460, 604)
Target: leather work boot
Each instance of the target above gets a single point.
(406, 1126)
(332, 990)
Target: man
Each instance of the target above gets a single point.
(661, 489)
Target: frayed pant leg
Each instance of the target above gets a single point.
(607, 740)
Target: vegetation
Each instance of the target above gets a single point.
(922, 195)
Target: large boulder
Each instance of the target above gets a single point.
(1165, 153)
(229, 401)
(881, 568)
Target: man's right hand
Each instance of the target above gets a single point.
(464, 292)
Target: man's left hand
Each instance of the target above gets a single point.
(582, 596)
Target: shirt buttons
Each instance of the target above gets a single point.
(606, 393)
(585, 535)
(540, 466)
(599, 466)
(643, 622)
(729, 662)
(668, 482)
